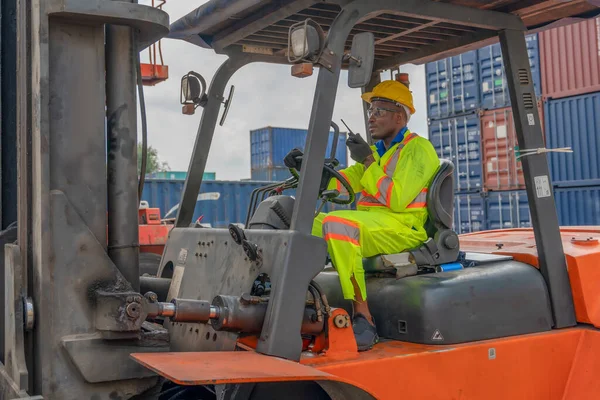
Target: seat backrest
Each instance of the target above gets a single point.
(440, 197)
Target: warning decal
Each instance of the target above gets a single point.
(437, 335)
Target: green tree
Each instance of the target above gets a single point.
(153, 163)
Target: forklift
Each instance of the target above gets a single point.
(257, 313)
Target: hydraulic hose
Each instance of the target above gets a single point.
(140, 86)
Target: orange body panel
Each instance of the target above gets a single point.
(526, 367)
(221, 367)
(584, 382)
(582, 249)
(561, 364)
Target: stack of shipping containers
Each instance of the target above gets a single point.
(570, 59)
(471, 123)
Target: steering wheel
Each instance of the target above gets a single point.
(329, 172)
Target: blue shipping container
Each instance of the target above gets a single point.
(469, 213)
(508, 209)
(458, 140)
(574, 122)
(494, 89)
(452, 85)
(230, 207)
(578, 206)
(269, 146)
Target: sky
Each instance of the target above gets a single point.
(265, 95)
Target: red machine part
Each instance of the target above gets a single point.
(153, 234)
(153, 72)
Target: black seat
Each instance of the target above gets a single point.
(442, 246)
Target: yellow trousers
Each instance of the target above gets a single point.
(353, 235)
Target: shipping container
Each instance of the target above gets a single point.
(458, 140)
(220, 202)
(270, 145)
(508, 209)
(570, 59)
(179, 175)
(223, 202)
(270, 174)
(574, 122)
(492, 76)
(469, 213)
(578, 206)
(501, 169)
(452, 85)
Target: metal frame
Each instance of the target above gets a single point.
(552, 261)
(275, 337)
(206, 129)
(63, 263)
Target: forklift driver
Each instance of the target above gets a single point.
(393, 177)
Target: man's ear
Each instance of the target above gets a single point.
(400, 118)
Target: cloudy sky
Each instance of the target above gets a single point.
(265, 95)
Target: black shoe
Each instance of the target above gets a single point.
(364, 333)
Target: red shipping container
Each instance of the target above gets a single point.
(501, 170)
(570, 59)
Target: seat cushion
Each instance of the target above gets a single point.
(397, 264)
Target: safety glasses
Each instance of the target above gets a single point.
(379, 112)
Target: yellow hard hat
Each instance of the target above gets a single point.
(392, 91)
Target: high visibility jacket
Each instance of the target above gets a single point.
(392, 209)
(397, 182)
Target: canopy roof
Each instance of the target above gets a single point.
(407, 37)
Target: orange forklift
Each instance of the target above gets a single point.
(256, 313)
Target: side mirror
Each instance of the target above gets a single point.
(227, 104)
(361, 58)
(193, 92)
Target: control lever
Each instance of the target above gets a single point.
(237, 233)
(325, 196)
(251, 250)
(239, 237)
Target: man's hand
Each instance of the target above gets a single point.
(290, 159)
(359, 148)
(368, 161)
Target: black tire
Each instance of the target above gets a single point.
(149, 263)
(261, 391)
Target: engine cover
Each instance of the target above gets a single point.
(491, 300)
